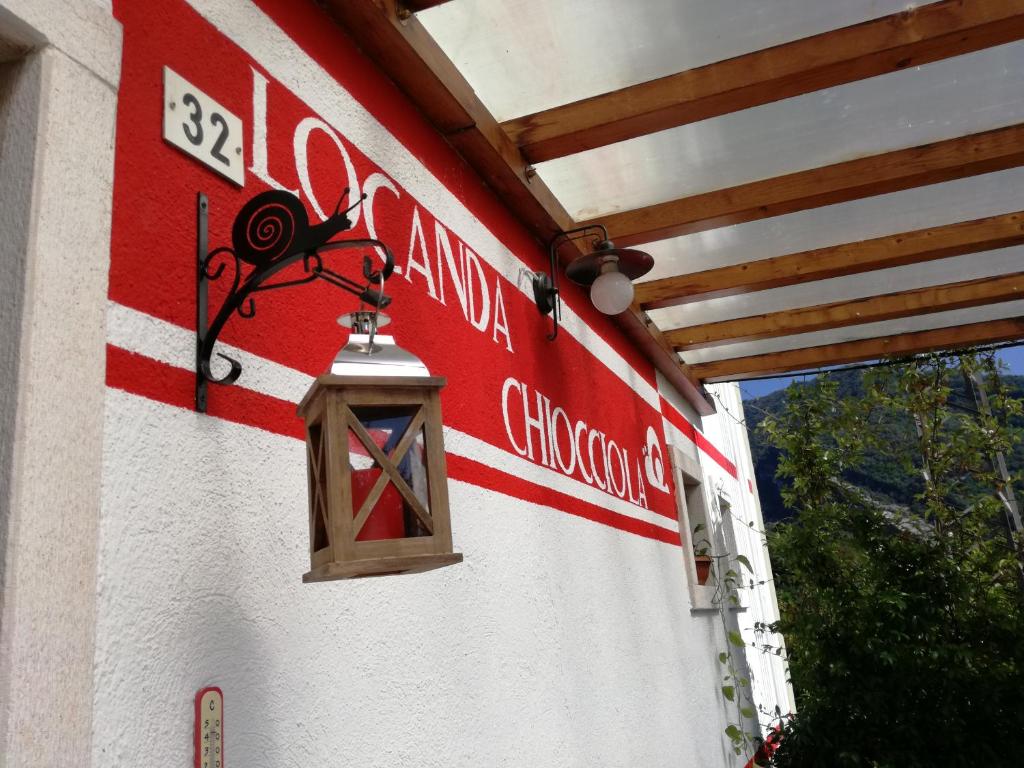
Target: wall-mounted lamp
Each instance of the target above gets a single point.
(378, 485)
(607, 270)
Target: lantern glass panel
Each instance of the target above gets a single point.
(396, 510)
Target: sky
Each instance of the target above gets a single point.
(1013, 357)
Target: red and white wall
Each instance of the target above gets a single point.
(565, 638)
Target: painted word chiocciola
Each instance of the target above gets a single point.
(544, 433)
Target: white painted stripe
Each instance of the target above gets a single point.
(144, 334)
(158, 339)
(469, 447)
(252, 30)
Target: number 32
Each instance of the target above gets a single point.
(193, 127)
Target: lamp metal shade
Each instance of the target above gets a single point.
(631, 262)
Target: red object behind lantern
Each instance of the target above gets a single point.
(387, 520)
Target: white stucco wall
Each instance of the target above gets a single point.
(558, 642)
(735, 526)
(768, 670)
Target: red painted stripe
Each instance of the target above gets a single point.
(676, 419)
(152, 379)
(164, 383)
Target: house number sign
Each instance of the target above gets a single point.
(202, 128)
(209, 728)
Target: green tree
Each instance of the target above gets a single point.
(904, 624)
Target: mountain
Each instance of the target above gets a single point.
(878, 475)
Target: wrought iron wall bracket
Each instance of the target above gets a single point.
(271, 233)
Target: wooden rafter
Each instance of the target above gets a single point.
(956, 337)
(402, 48)
(415, 6)
(840, 314)
(411, 57)
(907, 39)
(836, 261)
(851, 180)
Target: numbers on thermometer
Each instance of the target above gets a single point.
(209, 733)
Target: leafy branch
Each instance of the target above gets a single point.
(902, 620)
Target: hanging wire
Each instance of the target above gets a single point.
(376, 310)
(727, 412)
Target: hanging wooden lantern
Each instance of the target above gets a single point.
(378, 487)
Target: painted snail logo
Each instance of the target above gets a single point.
(654, 461)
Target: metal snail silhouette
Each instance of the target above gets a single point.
(271, 232)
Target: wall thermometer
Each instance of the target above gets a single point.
(210, 728)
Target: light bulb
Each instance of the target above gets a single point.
(612, 293)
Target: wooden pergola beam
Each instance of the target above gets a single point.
(915, 247)
(919, 166)
(399, 44)
(407, 53)
(956, 337)
(415, 6)
(906, 39)
(840, 314)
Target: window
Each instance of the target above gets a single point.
(695, 529)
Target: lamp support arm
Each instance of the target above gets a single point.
(545, 286)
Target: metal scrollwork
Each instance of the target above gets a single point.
(271, 232)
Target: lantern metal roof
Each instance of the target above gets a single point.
(376, 356)
(820, 181)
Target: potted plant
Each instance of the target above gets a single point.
(701, 555)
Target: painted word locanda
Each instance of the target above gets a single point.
(477, 286)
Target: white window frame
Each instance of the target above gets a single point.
(61, 61)
(692, 508)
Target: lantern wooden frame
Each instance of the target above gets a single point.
(327, 412)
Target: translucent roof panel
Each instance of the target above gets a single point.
(944, 100)
(855, 332)
(953, 270)
(905, 211)
(522, 56)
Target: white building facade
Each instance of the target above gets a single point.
(152, 551)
